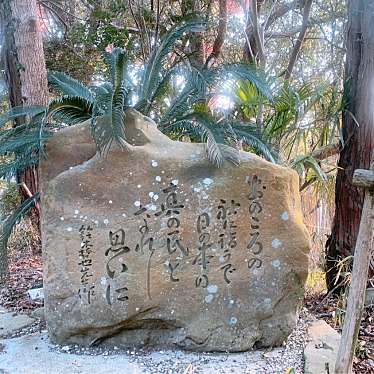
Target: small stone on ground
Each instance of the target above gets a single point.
(322, 348)
(10, 323)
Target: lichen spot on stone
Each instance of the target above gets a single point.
(209, 298)
(285, 216)
(62, 218)
(69, 229)
(154, 163)
(175, 182)
(137, 203)
(276, 264)
(76, 211)
(158, 178)
(276, 243)
(106, 221)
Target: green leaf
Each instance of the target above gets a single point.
(69, 86)
(21, 111)
(152, 73)
(242, 71)
(70, 109)
(251, 137)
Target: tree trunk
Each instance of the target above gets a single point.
(358, 134)
(196, 48)
(25, 70)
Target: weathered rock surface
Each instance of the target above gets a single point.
(153, 245)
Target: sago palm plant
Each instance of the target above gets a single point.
(21, 146)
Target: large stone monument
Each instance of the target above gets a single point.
(153, 245)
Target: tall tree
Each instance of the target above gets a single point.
(358, 133)
(25, 71)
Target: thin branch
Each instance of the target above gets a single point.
(299, 41)
(258, 34)
(248, 42)
(279, 12)
(139, 28)
(157, 27)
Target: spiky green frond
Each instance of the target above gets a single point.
(69, 86)
(118, 115)
(8, 225)
(111, 127)
(195, 90)
(103, 98)
(144, 106)
(18, 144)
(16, 112)
(70, 109)
(242, 71)
(207, 130)
(250, 136)
(11, 167)
(304, 162)
(117, 63)
(152, 73)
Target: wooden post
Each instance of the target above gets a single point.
(356, 297)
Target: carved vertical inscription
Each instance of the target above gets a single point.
(227, 236)
(86, 290)
(171, 208)
(114, 266)
(255, 246)
(146, 241)
(204, 246)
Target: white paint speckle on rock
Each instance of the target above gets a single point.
(212, 288)
(233, 321)
(285, 216)
(276, 243)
